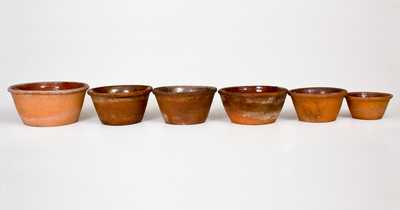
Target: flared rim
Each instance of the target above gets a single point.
(253, 90)
(120, 91)
(367, 95)
(184, 90)
(48, 88)
(318, 92)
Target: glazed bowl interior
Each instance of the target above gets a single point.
(250, 90)
(369, 95)
(120, 90)
(319, 91)
(173, 90)
(48, 87)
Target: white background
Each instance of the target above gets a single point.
(344, 165)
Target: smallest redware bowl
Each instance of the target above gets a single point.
(43, 104)
(253, 105)
(368, 105)
(184, 105)
(120, 104)
(317, 104)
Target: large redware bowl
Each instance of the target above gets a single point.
(49, 103)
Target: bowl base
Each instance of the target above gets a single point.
(253, 122)
(51, 124)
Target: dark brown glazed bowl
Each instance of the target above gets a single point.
(317, 104)
(253, 105)
(368, 105)
(184, 105)
(49, 103)
(120, 105)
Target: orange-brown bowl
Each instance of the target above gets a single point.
(317, 104)
(184, 105)
(49, 103)
(120, 105)
(253, 105)
(368, 105)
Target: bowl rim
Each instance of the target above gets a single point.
(203, 89)
(280, 91)
(378, 95)
(339, 92)
(146, 90)
(14, 88)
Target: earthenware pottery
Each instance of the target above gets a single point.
(184, 104)
(49, 103)
(317, 104)
(368, 105)
(120, 105)
(253, 105)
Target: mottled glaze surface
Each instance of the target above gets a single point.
(184, 105)
(317, 104)
(49, 103)
(368, 105)
(253, 105)
(120, 105)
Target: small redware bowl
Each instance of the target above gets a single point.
(317, 104)
(253, 105)
(121, 104)
(49, 103)
(184, 105)
(368, 105)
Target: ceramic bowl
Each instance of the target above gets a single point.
(120, 105)
(49, 103)
(253, 105)
(317, 104)
(368, 105)
(184, 104)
